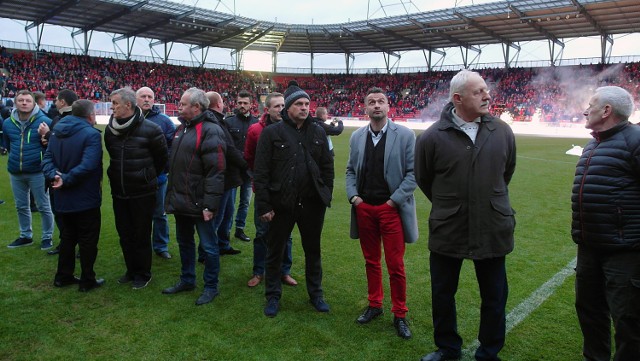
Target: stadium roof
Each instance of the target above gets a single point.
(506, 22)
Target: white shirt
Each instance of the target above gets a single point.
(470, 128)
(376, 138)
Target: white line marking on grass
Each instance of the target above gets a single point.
(549, 160)
(526, 307)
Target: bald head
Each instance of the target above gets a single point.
(215, 101)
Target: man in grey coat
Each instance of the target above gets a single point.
(380, 185)
(464, 163)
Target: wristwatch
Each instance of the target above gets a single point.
(353, 199)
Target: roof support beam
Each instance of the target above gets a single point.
(405, 39)
(534, 25)
(255, 38)
(485, 30)
(330, 36)
(591, 20)
(110, 18)
(157, 24)
(52, 13)
(369, 42)
(227, 36)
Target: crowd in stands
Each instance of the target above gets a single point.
(549, 94)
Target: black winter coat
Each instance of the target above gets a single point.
(606, 190)
(138, 153)
(196, 168)
(280, 160)
(236, 170)
(467, 184)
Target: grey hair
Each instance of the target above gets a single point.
(127, 95)
(83, 108)
(620, 100)
(198, 97)
(459, 81)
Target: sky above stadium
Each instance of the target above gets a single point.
(318, 12)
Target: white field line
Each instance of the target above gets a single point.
(526, 307)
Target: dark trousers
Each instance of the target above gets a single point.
(608, 287)
(309, 216)
(492, 280)
(82, 229)
(133, 218)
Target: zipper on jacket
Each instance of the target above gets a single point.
(584, 177)
(124, 141)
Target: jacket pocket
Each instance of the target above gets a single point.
(281, 150)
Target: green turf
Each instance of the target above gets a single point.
(40, 322)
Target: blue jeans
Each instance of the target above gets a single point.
(185, 227)
(260, 248)
(160, 222)
(23, 184)
(243, 206)
(225, 201)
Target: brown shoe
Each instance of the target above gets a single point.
(287, 279)
(254, 281)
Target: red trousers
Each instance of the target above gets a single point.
(376, 225)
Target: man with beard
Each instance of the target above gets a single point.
(293, 177)
(196, 185)
(238, 126)
(160, 236)
(380, 184)
(138, 154)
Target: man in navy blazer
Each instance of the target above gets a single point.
(380, 185)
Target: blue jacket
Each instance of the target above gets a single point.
(75, 153)
(169, 130)
(25, 149)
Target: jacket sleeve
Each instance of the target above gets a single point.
(330, 129)
(510, 166)
(159, 150)
(250, 146)
(261, 172)
(169, 130)
(351, 178)
(327, 171)
(233, 155)
(424, 167)
(212, 152)
(408, 184)
(90, 161)
(48, 168)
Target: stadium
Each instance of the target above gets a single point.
(543, 100)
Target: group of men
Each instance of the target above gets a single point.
(463, 164)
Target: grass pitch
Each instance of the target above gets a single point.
(40, 322)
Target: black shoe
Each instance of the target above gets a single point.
(20, 242)
(402, 327)
(54, 251)
(272, 307)
(229, 251)
(99, 282)
(67, 282)
(439, 356)
(241, 236)
(164, 254)
(140, 283)
(320, 304)
(369, 314)
(206, 297)
(178, 287)
(125, 279)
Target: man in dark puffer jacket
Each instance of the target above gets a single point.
(138, 153)
(606, 227)
(196, 184)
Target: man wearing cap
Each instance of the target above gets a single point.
(293, 179)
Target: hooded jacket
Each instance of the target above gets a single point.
(606, 189)
(25, 149)
(253, 134)
(75, 153)
(138, 153)
(196, 168)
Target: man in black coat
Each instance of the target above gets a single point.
(606, 227)
(138, 153)
(293, 179)
(463, 164)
